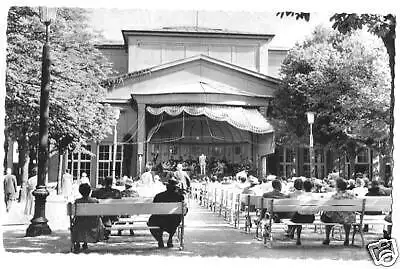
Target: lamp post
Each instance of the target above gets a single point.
(140, 163)
(116, 117)
(39, 224)
(310, 119)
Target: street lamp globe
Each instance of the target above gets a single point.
(47, 14)
(310, 117)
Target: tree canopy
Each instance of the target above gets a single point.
(77, 113)
(346, 81)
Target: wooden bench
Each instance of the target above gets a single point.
(313, 206)
(125, 207)
(374, 204)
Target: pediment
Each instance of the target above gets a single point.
(196, 75)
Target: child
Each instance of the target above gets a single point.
(86, 229)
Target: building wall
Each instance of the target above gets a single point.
(145, 52)
(275, 60)
(118, 57)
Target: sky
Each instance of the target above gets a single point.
(286, 30)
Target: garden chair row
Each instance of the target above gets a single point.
(241, 208)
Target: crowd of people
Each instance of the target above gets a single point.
(333, 187)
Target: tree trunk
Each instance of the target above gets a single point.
(352, 162)
(23, 165)
(389, 42)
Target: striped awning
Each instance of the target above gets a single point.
(249, 119)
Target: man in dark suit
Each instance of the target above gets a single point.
(10, 188)
(167, 223)
(107, 192)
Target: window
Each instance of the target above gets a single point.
(362, 156)
(362, 162)
(106, 159)
(238, 150)
(287, 162)
(79, 163)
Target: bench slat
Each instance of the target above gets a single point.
(114, 208)
(378, 203)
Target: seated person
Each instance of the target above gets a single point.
(107, 192)
(374, 190)
(166, 223)
(276, 194)
(298, 188)
(345, 218)
(387, 234)
(359, 189)
(146, 178)
(266, 185)
(253, 181)
(302, 216)
(128, 193)
(276, 191)
(86, 229)
(352, 184)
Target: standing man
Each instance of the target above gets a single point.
(10, 188)
(202, 163)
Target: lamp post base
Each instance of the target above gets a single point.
(39, 224)
(38, 229)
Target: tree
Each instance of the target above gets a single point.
(346, 82)
(78, 69)
(383, 26)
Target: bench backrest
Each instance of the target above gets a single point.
(120, 207)
(293, 205)
(378, 203)
(251, 200)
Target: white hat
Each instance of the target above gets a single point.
(253, 180)
(271, 177)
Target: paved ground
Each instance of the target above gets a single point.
(206, 235)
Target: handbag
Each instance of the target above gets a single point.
(325, 218)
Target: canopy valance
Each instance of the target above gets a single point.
(249, 119)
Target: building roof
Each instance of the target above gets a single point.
(193, 31)
(115, 81)
(110, 46)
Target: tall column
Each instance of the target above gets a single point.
(141, 137)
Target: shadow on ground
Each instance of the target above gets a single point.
(200, 244)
